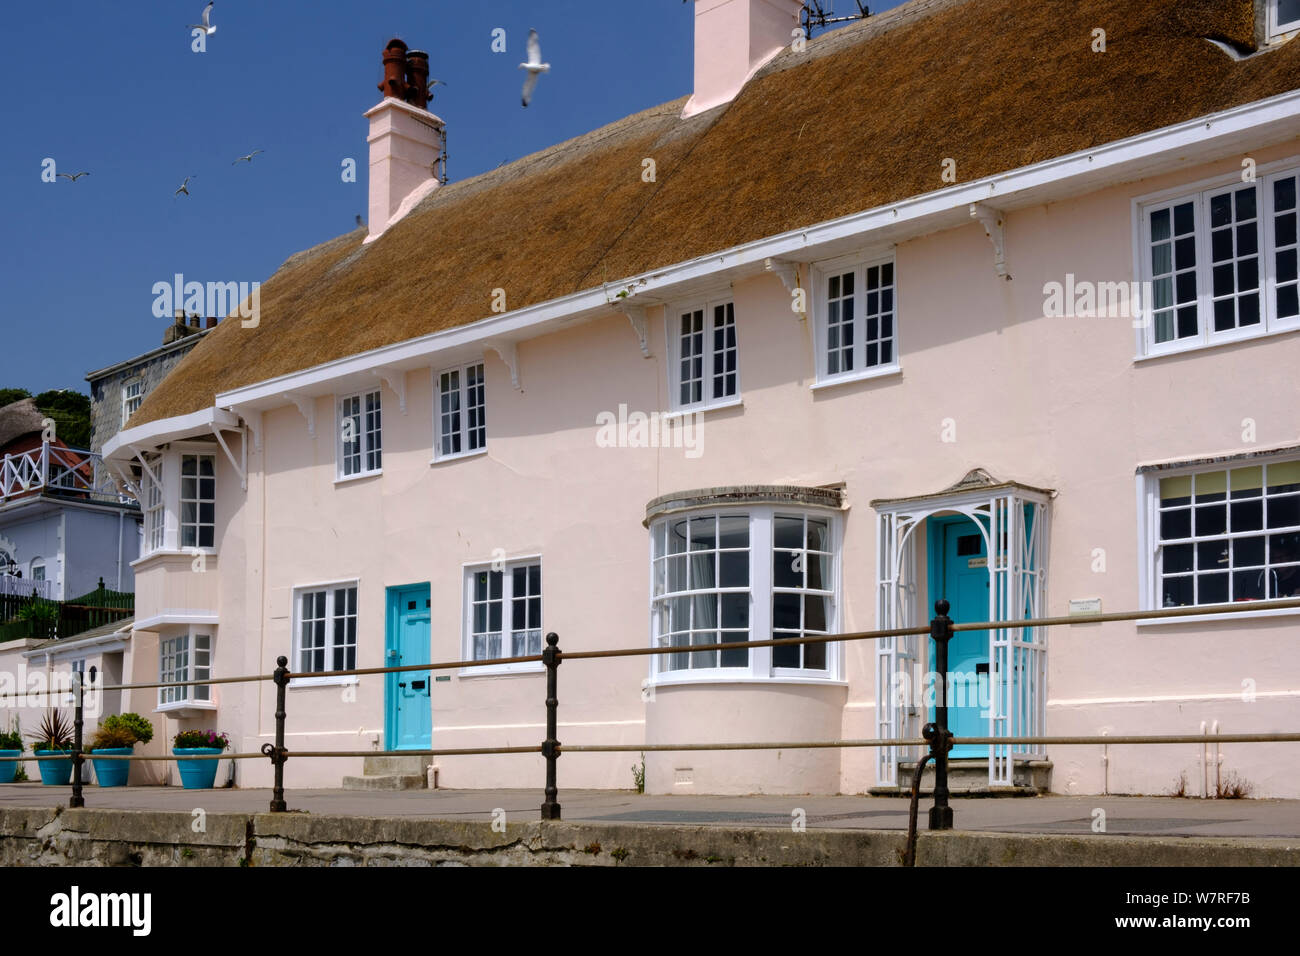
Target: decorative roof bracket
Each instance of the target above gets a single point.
(395, 379)
(240, 469)
(640, 325)
(508, 354)
(994, 223)
(307, 407)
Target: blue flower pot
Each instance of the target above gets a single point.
(112, 773)
(55, 773)
(197, 774)
(9, 770)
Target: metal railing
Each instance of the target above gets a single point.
(934, 735)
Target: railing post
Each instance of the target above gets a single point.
(937, 733)
(551, 747)
(276, 752)
(78, 690)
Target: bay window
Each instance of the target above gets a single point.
(731, 576)
(182, 657)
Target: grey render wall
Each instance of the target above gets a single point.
(106, 390)
(79, 544)
(91, 542)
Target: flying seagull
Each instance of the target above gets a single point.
(248, 158)
(72, 177)
(432, 83)
(534, 66)
(206, 26)
(184, 187)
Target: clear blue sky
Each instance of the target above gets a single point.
(113, 88)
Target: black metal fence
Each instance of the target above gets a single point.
(935, 735)
(43, 619)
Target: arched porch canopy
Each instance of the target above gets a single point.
(1013, 518)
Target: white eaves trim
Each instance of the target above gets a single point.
(209, 618)
(155, 433)
(1196, 141)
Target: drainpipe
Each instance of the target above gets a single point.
(120, 517)
(1218, 761)
(1105, 766)
(1205, 770)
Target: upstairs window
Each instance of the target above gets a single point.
(461, 414)
(1283, 17)
(856, 314)
(1221, 263)
(198, 501)
(704, 363)
(132, 396)
(360, 450)
(155, 515)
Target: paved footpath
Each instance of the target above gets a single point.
(1138, 816)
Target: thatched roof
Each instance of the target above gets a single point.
(18, 419)
(863, 118)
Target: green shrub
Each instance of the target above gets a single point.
(139, 728)
(106, 738)
(12, 741)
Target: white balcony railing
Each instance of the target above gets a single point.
(14, 586)
(58, 469)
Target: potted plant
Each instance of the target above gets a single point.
(118, 735)
(11, 745)
(198, 774)
(54, 736)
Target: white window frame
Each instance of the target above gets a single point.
(1150, 566)
(198, 524)
(331, 614)
(507, 568)
(1276, 28)
(821, 273)
(369, 441)
(463, 393)
(37, 564)
(760, 668)
(131, 402)
(672, 333)
(1199, 195)
(153, 505)
(175, 698)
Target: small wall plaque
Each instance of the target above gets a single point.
(977, 562)
(1085, 606)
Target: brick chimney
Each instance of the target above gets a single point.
(733, 39)
(406, 140)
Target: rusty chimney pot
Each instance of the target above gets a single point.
(212, 322)
(394, 83)
(417, 78)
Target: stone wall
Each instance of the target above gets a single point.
(106, 392)
(58, 837)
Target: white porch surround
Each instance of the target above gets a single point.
(1013, 519)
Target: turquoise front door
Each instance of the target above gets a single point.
(959, 573)
(408, 723)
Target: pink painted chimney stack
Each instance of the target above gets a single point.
(733, 40)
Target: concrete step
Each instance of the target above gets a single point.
(388, 781)
(970, 778)
(372, 766)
